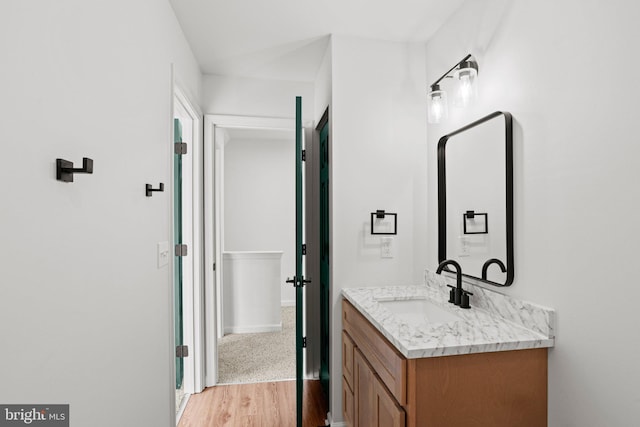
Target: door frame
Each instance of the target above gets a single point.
(215, 139)
(323, 205)
(193, 313)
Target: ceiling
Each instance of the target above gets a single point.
(286, 39)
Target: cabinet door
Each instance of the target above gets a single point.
(347, 404)
(364, 414)
(347, 358)
(387, 411)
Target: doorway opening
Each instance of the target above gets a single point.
(257, 305)
(250, 163)
(235, 213)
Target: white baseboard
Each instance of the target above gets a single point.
(288, 303)
(335, 423)
(182, 407)
(252, 329)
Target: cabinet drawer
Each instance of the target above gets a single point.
(347, 358)
(347, 403)
(386, 361)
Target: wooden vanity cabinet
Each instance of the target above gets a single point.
(381, 388)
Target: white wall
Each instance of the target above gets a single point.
(84, 310)
(260, 200)
(255, 97)
(322, 86)
(251, 297)
(560, 69)
(379, 131)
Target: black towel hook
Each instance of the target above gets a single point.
(65, 169)
(149, 191)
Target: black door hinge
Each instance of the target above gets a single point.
(304, 249)
(180, 148)
(304, 342)
(181, 250)
(182, 351)
(304, 155)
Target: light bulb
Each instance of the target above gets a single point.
(467, 90)
(437, 106)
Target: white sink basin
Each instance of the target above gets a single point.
(418, 311)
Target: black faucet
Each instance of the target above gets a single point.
(487, 263)
(457, 295)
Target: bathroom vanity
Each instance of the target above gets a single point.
(412, 359)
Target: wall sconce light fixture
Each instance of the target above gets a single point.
(465, 73)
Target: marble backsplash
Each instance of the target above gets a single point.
(523, 313)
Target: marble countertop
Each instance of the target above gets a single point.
(495, 322)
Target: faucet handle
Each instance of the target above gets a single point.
(452, 294)
(464, 299)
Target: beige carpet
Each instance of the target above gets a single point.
(251, 358)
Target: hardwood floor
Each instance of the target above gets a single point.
(271, 404)
(315, 406)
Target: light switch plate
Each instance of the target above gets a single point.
(465, 246)
(163, 254)
(386, 247)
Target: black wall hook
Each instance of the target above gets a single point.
(149, 190)
(65, 169)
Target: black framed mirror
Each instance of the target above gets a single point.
(475, 199)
